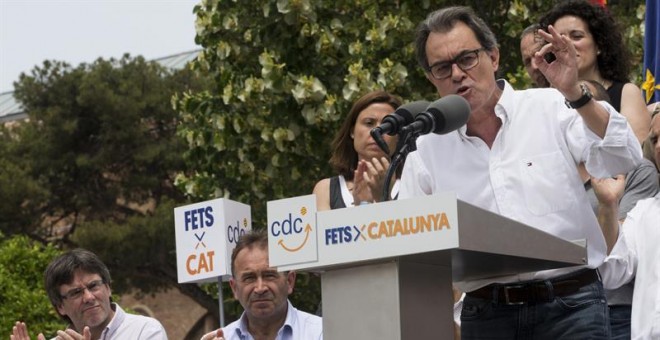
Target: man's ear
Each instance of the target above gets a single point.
(494, 55)
(60, 309)
(291, 280)
(232, 284)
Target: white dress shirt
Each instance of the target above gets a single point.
(298, 325)
(530, 173)
(130, 326)
(637, 254)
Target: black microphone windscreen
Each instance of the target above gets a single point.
(409, 110)
(450, 113)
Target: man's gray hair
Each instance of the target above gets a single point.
(443, 20)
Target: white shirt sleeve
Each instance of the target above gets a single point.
(620, 266)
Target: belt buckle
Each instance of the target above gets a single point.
(506, 295)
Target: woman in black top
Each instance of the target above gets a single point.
(360, 163)
(602, 56)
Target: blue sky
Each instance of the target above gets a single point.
(77, 31)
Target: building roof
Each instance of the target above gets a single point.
(11, 110)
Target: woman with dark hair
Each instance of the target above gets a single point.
(602, 56)
(356, 157)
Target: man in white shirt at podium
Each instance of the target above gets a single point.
(263, 292)
(517, 157)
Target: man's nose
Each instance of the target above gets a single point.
(457, 72)
(87, 295)
(260, 285)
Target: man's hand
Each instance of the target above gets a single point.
(20, 332)
(70, 334)
(562, 72)
(217, 334)
(609, 190)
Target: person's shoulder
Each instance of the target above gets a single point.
(145, 321)
(631, 87)
(645, 167)
(141, 318)
(310, 326)
(231, 328)
(144, 327)
(545, 92)
(308, 317)
(322, 185)
(645, 172)
(322, 192)
(647, 203)
(537, 97)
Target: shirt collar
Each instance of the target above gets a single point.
(506, 102)
(116, 321)
(289, 322)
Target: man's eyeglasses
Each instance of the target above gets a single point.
(76, 293)
(465, 61)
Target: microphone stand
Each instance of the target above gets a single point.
(407, 143)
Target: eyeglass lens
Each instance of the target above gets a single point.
(75, 293)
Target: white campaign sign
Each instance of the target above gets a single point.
(206, 233)
(382, 230)
(292, 230)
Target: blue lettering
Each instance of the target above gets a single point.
(233, 234)
(198, 218)
(328, 236)
(287, 222)
(357, 233)
(296, 228)
(339, 235)
(208, 212)
(187, 219)
(287, 227)
(272, 228)
(347, 234)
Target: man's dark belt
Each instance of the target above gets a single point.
(536, 291)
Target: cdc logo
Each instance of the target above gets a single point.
(235, 232)
(292, 235)
(290, 231)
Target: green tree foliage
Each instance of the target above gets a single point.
(94, 166)
(99, 137)
(22, 294)
(19, 193)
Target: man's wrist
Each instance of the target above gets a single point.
(574, 94)
(584, 99)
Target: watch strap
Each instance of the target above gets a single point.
(582, 101)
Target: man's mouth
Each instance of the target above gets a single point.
(462, 90)
(88, 309)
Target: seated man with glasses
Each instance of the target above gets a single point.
(78, 286)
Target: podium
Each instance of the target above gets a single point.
(383, 283)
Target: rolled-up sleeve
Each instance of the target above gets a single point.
(617, 153)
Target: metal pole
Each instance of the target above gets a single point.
(221, 303)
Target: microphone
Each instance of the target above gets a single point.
(394, 122)
(404, 115)
(442, 116)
